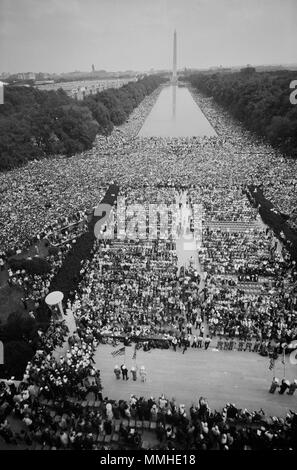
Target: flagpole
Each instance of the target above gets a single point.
(274, 368)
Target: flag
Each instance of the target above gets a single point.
(272, 362)
(119, 352)
(134, 354)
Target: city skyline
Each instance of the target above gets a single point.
(137, 36)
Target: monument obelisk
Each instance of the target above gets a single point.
(174, 75)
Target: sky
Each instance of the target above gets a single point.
(67, 35)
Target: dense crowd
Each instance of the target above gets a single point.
(136, 288)
(64, 424)
(247, 286)
(36, 195)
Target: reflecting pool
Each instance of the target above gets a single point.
(175, 114)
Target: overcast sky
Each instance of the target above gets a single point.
(67, 35)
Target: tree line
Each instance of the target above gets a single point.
(21, 340)
(261, 101)
(36, 124)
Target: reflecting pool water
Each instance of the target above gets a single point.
(175, 114)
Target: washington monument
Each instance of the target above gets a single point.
(174, 76)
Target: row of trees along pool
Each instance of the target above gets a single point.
(260, 100)
(35, 124)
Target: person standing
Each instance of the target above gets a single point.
(142, 374)
(134, 373)
(174, 343)
(207, 342)
(189, 327)
(200, 340)
(124, 372)
(198, 321)
(274, 385)
(283, 387)
(292, 387)
(117, 372)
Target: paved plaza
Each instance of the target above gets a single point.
(242, 378)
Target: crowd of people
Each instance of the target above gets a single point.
(41, 192)
(64, 424)
(135, 288)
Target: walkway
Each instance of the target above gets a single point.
(223, 377)
(60, 351)
(187, 247)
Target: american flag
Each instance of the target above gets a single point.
(119, 352)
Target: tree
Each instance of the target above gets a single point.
(35, 123)
(101, 114)
(75, 127)
(32, 266)
(16, 356)
(259, 100)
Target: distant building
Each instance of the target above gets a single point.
(82, 88)
(43, 76)
(248, 70)
(273, 68)
(30, 76)
(219, 69)
(25, 76)
(44, 82)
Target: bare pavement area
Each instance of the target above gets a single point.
(242, 378)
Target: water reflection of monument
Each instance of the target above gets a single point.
(174, 77)
(174, 101)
